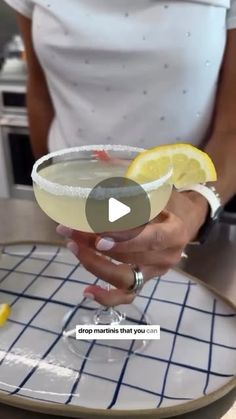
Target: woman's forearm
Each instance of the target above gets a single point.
(222, 143)
(40, 114)
(40, 108)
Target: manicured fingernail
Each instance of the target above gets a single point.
(105, 244)
(64, 231)
(73, 247)
(89, 296)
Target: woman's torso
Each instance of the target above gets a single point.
(140, 72)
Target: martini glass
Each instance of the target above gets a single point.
(63, 180)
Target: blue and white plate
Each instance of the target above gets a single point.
(193, 363)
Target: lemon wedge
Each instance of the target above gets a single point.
(190, 165)
(5, 311)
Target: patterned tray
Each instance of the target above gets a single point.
(193, 364)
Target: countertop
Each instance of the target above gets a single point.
(213, 262)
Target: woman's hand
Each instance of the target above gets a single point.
(157, 248)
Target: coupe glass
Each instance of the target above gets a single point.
(62, 182)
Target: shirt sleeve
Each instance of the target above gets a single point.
(231, 16)
(25, 7)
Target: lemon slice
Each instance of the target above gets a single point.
(5, 311)
(190, 165)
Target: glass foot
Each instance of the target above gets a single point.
(108, 316)
(100, 350)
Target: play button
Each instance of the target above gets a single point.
(117, 210)
(117, 204)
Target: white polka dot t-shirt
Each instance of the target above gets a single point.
(137, 72)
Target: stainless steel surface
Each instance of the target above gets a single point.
(18, 125)
(24, 221)
(229, 218)
(14, 47)
(213, 262)
(12, 90)
(13, 80)
(13, 120)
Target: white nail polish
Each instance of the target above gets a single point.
(73, 247)
(105, 244)
(64, 231)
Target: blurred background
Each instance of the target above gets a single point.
(7, 25)
(16, 158)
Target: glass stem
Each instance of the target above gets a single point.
(111, 309)
(108, 315)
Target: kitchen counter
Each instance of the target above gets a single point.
(214, 263)
(23, 220)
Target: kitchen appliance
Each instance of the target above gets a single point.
(16, 158)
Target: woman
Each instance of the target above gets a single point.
(142, 72)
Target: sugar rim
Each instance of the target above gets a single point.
(79, 191)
